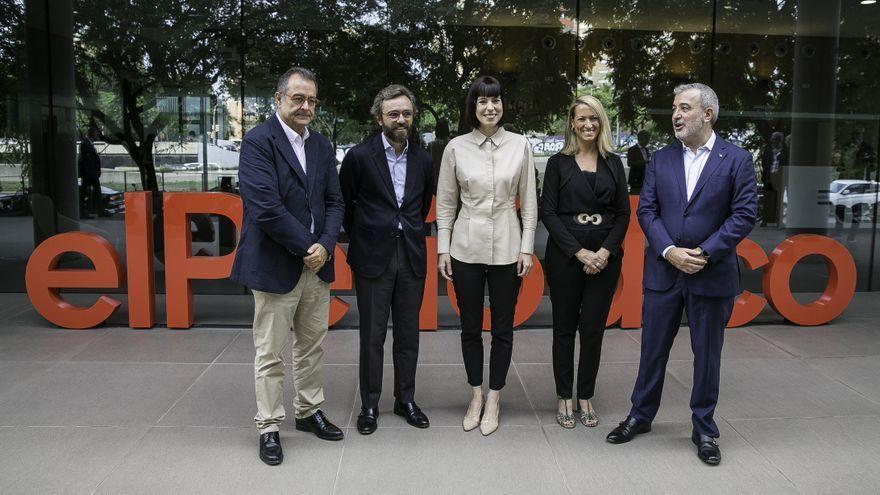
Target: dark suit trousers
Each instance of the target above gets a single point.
(580, 306)
(661, 316)
(469, 280)
(398, 292)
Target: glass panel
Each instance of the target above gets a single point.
(153, 108)
(794, 90)
(16, 221)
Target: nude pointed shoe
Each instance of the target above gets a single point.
(472, 416)
(489, 423)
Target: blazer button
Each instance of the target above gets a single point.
(685, 214)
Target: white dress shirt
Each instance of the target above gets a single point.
(298, 143)
(693, 167)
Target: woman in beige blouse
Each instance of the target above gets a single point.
(487, 170)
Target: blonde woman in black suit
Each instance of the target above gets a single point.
(585, 207)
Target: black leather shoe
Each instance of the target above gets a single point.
(413, 414)
(319, 425)
(367, 420)
(270, 448)
(627, 430)
(707, 450)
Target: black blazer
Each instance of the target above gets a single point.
(371, 211)
(566, 193)
(637, 165)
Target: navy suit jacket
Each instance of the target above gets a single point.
(720, 213)
(279, 202)
(371, 211)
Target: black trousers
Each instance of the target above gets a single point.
(469, 280)
(398, 292)
(580, 306)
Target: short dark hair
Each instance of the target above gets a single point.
(306, 74)
(483, 86)
(389, 93)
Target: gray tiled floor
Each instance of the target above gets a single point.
(114, 410)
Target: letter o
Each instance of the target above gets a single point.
(837, 294)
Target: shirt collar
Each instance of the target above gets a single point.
(388, 146)
(290, 133)
(708, 146)
(496, 139)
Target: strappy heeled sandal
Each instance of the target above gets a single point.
(566, 419)
(588, 418)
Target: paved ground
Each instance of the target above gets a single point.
(114, 410)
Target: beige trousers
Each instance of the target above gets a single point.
(305, 310)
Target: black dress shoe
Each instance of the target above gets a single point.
(367, 420)
(413, 414)
(319, 425)
(270, 448)
(627, 430)
(707, 450)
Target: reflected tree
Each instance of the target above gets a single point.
(130, 53)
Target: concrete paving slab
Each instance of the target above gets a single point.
(859, 373)
(61, 460)
(820, 455)
(98, 394)
(856, 338)
(18, 374)
(157, 346)
(661, 461)
(774, 388)
(512, 460)
(223, 460)
(35, 343)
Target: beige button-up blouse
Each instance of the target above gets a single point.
(487, 174)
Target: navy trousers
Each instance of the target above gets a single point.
(661, 317)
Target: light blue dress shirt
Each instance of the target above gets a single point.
(397, 167)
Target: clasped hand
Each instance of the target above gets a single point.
(594, 261)
(316, 258)
(689, 261)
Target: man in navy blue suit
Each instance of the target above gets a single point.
(293, 210)
(387, 183)
(698, 201)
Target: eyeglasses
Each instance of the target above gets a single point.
(298, 100)
(396, 115)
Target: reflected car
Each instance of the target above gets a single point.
(112, 201)
(858, 195)
(192, 166)
(13, 203)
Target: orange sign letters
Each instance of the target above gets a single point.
(44, 279)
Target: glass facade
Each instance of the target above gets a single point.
(100, 97)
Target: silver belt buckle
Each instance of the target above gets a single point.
(585, 218)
